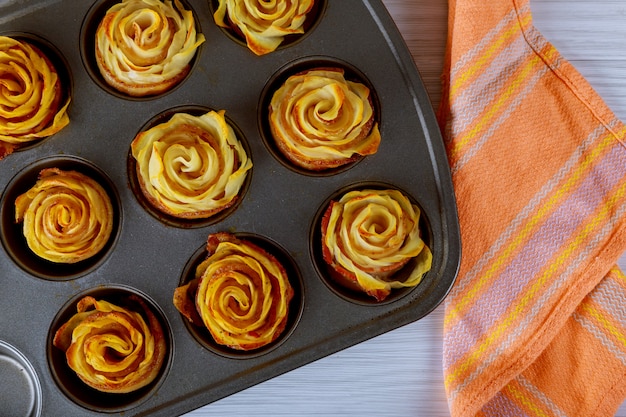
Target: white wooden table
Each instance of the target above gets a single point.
(399, 374)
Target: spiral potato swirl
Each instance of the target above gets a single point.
(369, 235)
(191, 166)
(264, 23)
(30, 95)
(320, 120)
(68, 216)
(144, 47)
(241, 294)
(111, 348)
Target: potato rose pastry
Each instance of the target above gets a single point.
(320, 120)
(264, 24)
(191, 167)
(368, 236)
(30, 96)
(113, 349)
(68, 216)
(144, 47)
(240, 293)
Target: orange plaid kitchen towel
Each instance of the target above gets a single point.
(536, 323)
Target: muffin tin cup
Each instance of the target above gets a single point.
(12, 235)
(326, 273)
(88, 50)
(20, 389)
(61, 66)
(280, 207)
(306, 63)
(70, 384)
(313, 18)
(296, 306)
(166, 218)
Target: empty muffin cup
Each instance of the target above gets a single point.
(20, 389)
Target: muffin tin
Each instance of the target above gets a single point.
(150, 255)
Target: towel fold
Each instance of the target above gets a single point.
(536, 323)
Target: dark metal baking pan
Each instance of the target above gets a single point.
(150, 256)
